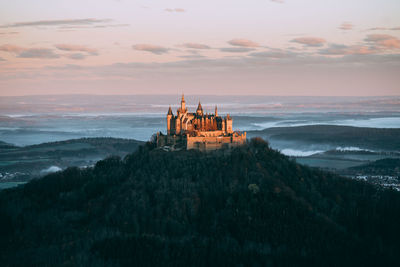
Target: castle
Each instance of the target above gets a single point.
(199, 130)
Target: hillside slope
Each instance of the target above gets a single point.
(248, 207)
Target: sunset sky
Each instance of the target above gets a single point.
(260, 47)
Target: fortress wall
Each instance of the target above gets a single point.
(212, 143)
(211, 133)
(200, 142)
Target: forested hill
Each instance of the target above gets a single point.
(248, 207)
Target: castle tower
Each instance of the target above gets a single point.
(228, 124)
(216, 111)
(169, 118)
(183, 104)
(199, 110)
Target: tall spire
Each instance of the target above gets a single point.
(170, 111)
(199, 107)
(183, 104)
(216, 111)
(199, 110)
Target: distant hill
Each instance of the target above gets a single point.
(4, 145)
(30, 161)
(370, 138)
(248, 207)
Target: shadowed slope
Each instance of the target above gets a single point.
(251, 206)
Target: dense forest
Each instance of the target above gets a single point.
(250, 206)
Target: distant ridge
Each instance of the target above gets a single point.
(27, 162)
(369, 138)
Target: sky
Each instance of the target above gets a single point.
(218, 47)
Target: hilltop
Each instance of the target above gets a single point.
(251, 206)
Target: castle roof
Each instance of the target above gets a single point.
(170, 111)
(199, 107)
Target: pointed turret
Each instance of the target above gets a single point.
(183, 104)
(216, 111)
(199, 110)
(170, 111)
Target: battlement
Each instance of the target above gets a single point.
(199, 130)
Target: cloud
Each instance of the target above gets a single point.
(384, 29)
(2, 59)
(110, 26)
(196, 46)
(11, 48)
(38, 53)
(76, 48)
(275, 54)
(243, 43)
(76, 56)
(236, 49)
(342, 50)
(8, 33)
(384, 41)
(310, 41)
(23, 52)
(155, 49)
(78, 27)
(193, 56)
(346, 26)
(63, 22)
(278, 1)
(377, 29)
(179, 10)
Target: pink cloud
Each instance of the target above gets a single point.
(343, 50)
(384, 40)
(155, 49)
(38, 53)
(11, 48)
(88, 21)
(76, 56)
(236, 49)
(196, 46)
(346, 26)
(243, 43)
(384, 29)
(310, 41)
(76, 48)
(23, 52)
